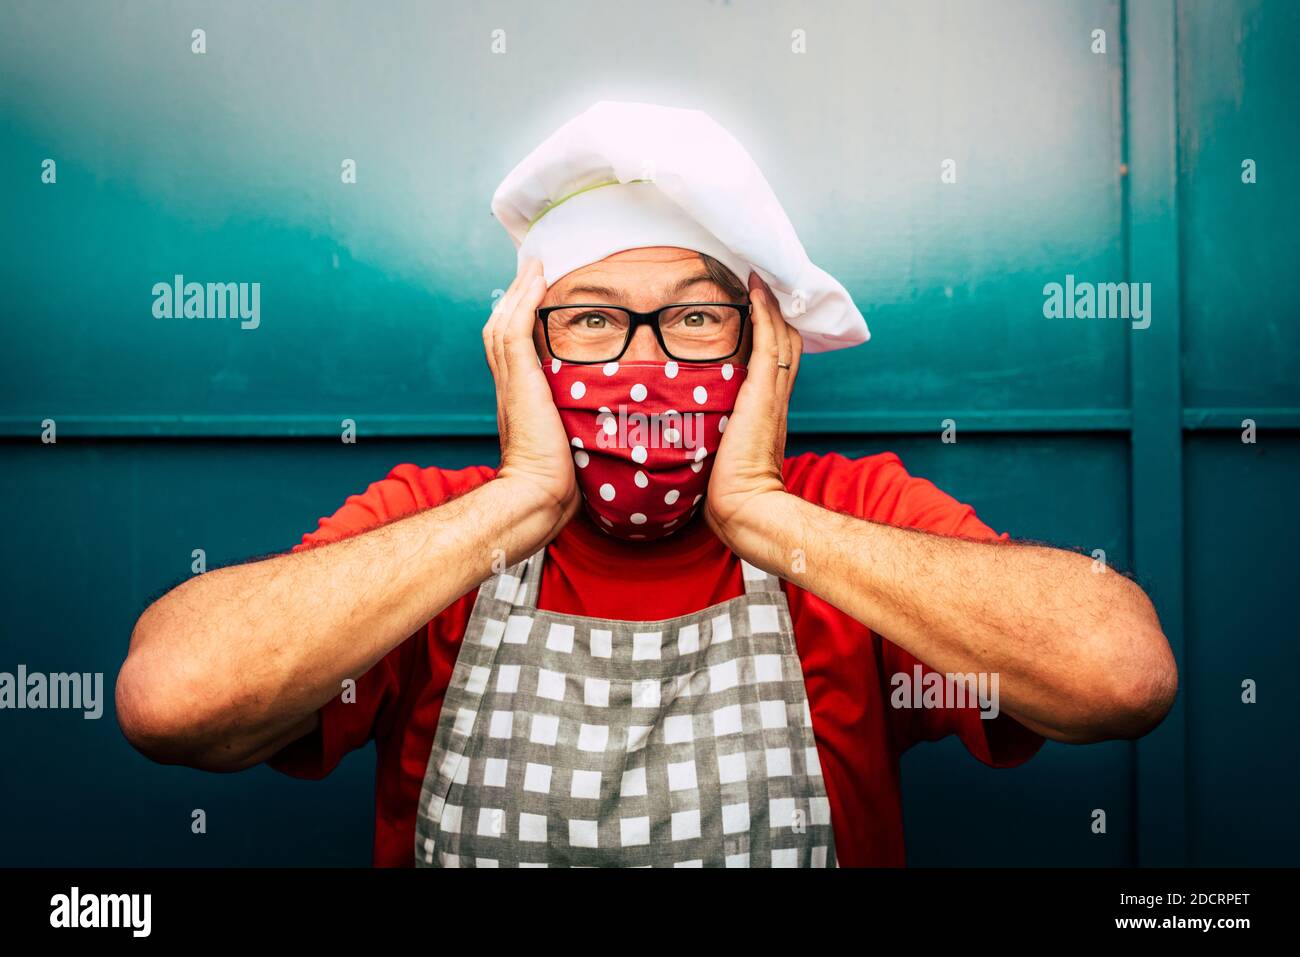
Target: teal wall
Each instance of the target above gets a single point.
(181, 434)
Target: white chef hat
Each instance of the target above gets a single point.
(631, 175)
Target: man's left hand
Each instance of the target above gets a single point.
(747, 468)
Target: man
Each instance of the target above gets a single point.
(646, 638)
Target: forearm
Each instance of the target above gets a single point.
(1079, 654)
(230, 660)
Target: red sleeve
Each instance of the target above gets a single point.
(348, 722)
(878, 488)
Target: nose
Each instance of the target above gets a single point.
(644, 347)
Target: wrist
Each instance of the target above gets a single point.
(529, 512)
(761, 529)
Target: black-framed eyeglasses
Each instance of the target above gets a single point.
(590, 333)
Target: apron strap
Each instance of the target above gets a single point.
(757, 581)
(518, 585)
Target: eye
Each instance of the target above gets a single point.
(697, 318)
(587, 320)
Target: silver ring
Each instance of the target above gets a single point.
(783, 365)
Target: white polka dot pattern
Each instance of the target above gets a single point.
(642, 465)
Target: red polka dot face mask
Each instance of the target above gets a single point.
(643, 436)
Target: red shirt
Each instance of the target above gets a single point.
(846, 667)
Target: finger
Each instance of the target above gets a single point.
(504, 298)
(765, 352)
(784, 344)
(529, 273)
(517, 328)
(796, 352)
(502, 303)
(488, 349)
(782, 330)
(785, 363)
(513, 340)
(492, 349)
(506, 304)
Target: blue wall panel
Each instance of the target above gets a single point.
(1241, 604)
(1238, 79)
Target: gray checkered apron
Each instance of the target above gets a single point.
(572, 741)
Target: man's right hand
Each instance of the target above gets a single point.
(535, 454)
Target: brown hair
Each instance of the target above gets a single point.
(725, 278)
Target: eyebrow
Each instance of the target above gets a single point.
(614, 294)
